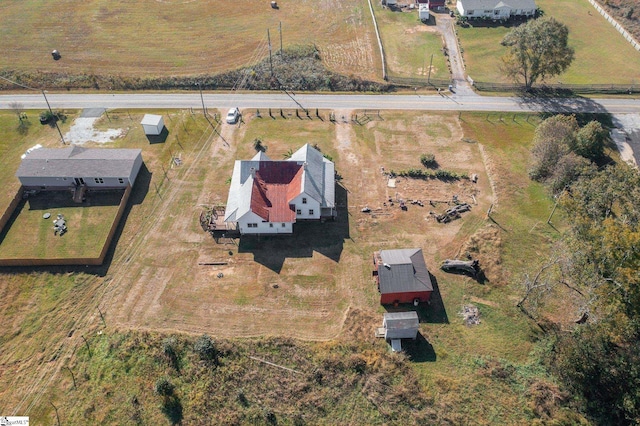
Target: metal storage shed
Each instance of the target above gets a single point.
(400, 325)
(152, 124)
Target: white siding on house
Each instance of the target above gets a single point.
(251, 223)
(306, 209)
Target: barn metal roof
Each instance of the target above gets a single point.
(403, 271)
(76, 161)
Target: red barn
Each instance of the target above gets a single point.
(433, 4)
(402, 276)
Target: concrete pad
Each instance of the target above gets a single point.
(626, 136)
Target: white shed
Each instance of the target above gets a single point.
(423, 12)
(152, 124)
(400, 325)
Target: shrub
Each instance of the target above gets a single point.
(205, 348)
(429, 161)
(163, 387)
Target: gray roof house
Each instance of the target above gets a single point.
(496, 9)
(73, 166)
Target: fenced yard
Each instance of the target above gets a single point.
(29, 237)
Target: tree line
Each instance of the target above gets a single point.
(596, 264)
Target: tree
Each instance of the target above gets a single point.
(537, 50)
(552, 139)
(589, 141)
(163, 387)
(18, 109)
(206, 348)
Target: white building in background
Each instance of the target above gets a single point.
(496, 9)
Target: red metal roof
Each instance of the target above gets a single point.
(275, 184)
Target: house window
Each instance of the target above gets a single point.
(99, 180)
(496, 12)
(252, 225)
(120, 180)
(304, 201)
(310, 212)
(284, 224)
(470, 12)
(298, 211)
(271, 225)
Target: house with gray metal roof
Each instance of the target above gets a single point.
(496, 9)
(402, 276)
(268, 196)
(75, 166)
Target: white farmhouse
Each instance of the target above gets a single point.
(496, 9)
(75, 166)
(268, 196)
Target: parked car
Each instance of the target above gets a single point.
(233, 115)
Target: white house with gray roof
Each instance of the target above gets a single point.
(268, 196)
(74, 166)
(496, 9)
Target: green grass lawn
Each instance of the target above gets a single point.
(15, 138)
(409, 45)
(596, 42)
(30, 236)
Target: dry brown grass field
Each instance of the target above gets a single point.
(176, 37)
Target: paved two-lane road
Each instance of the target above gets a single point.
(445, 102)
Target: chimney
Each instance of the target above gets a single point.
(252, 170)
(304, 165)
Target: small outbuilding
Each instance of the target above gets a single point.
(397, 326)
(402, 276)
(400, 325)
(152, 124)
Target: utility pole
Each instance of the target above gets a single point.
(280, 38)
(429, 76)
(270, 60)
(204, 109)
(55, 119)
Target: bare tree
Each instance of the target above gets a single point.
(18, 109)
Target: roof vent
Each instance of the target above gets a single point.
(386, 265)
(252, 170)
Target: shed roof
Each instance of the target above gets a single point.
(401, 320)
(151, 120)
(76, 161)
(403, 271)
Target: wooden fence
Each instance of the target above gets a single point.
(11, 208)
(72, 261)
